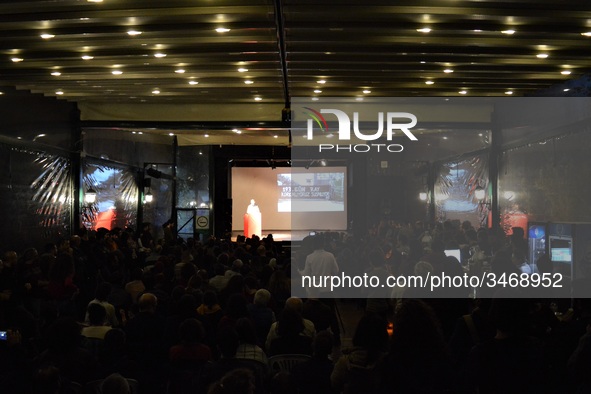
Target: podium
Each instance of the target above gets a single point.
(252, 224)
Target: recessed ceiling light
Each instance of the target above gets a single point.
(193, 82)
(444, 138)
(366, 91)
(17, 59)
(242, 70)
(314, 98)
(275, 136)
(317, 91)
(56, 73)
(321, 81)
(424, 30)
(542, 55)
(429, 82)
(47, 36)
(565, 90)
(422, 62)
(1, 93)
(463, 92)
(94, 1)
(206, 135)
(480, 134)
(586, 34)
(160, 55)
(477, 31)
(257, 99)
(179, 71)
(59, 92)
(171, 134)
(116, 72)
(155, 91)
(508, 32)
(248, 82)
(87, 57)
(509, 92)
(140, 132)
(565, 72)
(134, 32)
(448, 71)
(222, 30)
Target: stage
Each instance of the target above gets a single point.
(278, 235)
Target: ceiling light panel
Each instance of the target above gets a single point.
(392, 47)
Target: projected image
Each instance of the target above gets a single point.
(290, 198)
(454, 190)
(311, 192)
(116, 199)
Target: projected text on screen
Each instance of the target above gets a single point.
(311, 192)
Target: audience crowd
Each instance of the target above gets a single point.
(119, 312)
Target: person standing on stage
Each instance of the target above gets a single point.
(253, 208)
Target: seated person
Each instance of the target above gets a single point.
(102, 293)
(248, 348)
(307, 327)
(96, 316)
(114, 357)
(228, 343)
(356, 370)
(290, 338)
(313, 376)
(237, 381)
(191, 349)
(262, 316)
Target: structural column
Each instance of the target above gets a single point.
(493, 170)
(431, 178)
(76, 147)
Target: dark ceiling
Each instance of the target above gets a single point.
(289, 48)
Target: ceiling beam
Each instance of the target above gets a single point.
(280, 27)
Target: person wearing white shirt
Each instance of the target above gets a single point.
(252, 208)
(320, 263)
(102, 292)
(519, 260)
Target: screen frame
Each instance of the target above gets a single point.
(266, 194)
(457, 253)
(552, 240)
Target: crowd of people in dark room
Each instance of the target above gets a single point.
(115, 311)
